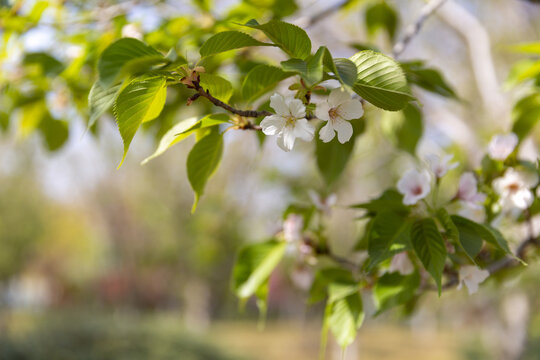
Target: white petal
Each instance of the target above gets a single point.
(327, 133)
(501, 146)
(321, 111)
(273, 124)
(337, 97)
(351, 109)
(523, 199)
(344, 130)
(280, 142)
(277, 102)
(288, 137)
(304, 130)
(410, 199)
(297, 108)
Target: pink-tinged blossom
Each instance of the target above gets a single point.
(402, 264)
(514, 189)
(468, 190)
(288, 123)
(440, 165)
(414, 185)
(292, 228)
(323, 204)
(501, 146)
(338, 110)
(471, 276)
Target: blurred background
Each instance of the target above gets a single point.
(99, 263)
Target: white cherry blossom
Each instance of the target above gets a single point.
(337, 110)
(288, 123)
(501, 146)
(514, 189)
(471, 276)
(440, 165)
(468, 190)
(414, 185)
(402, 264)
(132, 31)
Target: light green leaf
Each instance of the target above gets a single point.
(381, 16)
(381, 81)
(142, 100)
(126, 55)
(394, 289)
(326, 276)
(228, 40)
(100, 100)
(49, 65)
(254, 265)
(290, 38)
(528, 48)
(217, 86)
(261, 79)
(345, 318)
(340, 290)
(310, 70)
(526, 114)
(429, 246)
(203, 161)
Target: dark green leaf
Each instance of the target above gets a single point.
(55, 132)
(332, 158)
(409, 133)
(390, 234)
(381, 16)
(381, 81)
(394, 289)
(484, 232)
(390, 200)
(323, 278)
(427, 78)
(49, 65)
(428, 244)
(470, 237)
(310, 70)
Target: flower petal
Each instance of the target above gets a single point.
(288, 137)
(321, 111)
(327, 133)
(351, 109)
(280, 142)
(273, 124)
(337, 97)
(296, 107)
(277, 102)
(344, 130)
(304, 130)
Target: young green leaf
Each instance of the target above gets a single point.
(427, 78)
(217, 86)
(310, 70)
(381, 16)
(202, 162)
(100, 100)
(345, 318)
(261, 79)
(381, 81)
(126, 55)
(142, 100)
(344, 69)
(394, 289)
(290, 38)
(526, 114)
(183, 130)
(428, 244)
(326, 276)
(228, 40)
(409, 133)
(254, 264)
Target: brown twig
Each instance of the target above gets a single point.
(217, 102)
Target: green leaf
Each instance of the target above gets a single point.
(528, 48)
(409, 133)
(451, 230)
(49, 65)
(326, 276)
(55, 132)
(427, 78)
(390, 234)
(381, 16)
(142, 100)
(526, 114)
(394, 289)
(470, 238)
(310, 70)
(345, 318)
(485, 232)
(523, 70)
(381, 81)
(228, 40)
(254, 265)
(202, 162)
(429, 246)
(183, 130)
(290, 38)
(100, 100)
(344, 69)
(261, 79)
(217, 86)
(126, 55)
(390, 200)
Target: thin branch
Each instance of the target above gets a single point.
(412, 30)
(217, 102)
